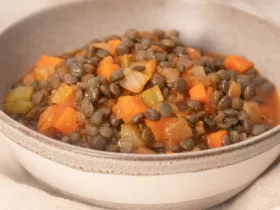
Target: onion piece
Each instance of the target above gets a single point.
(134, 81)
(169, 74)
(131, 131)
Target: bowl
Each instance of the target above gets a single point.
(195, 180)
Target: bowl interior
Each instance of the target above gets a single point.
(203, 24)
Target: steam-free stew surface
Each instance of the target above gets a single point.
(145, 93)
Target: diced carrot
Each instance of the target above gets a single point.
(193, 53)
(157, 127)
(67, 121)
(198, 93)
(63, 95)
(209, 93)
(150, 68)
(237, 63)
(51, 71)
(106, 70)
(128, 106)
(207, 107)
(148, 35)
(107, 59)
(215, 140)
(41, 73)
(48, 118)
(157, 49)
(106, 67)
(47, 61)
(114, 44)
(176, 130)
(29, 78)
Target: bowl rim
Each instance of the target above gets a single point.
(36, 136)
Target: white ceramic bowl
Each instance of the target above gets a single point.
(195, 180)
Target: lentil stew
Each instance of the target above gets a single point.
(145, 93)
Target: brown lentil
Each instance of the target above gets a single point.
(237, 104)
(97, 118)
(106, 131)
(54, 83)
(112, 148)
(102, 100)
(243, 115)
(225, 86)
(224, 103)
(168, 43)
(248, 92)
(193, 104)
(267, 88)
(192, 119)
(75, 137)
(70, 79)
(116, 76)
(165, 64)
(93, 94)
(137, 118)
(152, 114)
(234, 136)
(106, 111)
(147, 136)
(226, 140)
(165, 110)
(159, 33)
(92, 130)
(37, 97)
(137, 67)
(115, 89)
(248, 125)
(160, 57)
(105, 90)
(93, 82)
(224, 74)
(78, 96)
(99, 142)
(165, 93)
(187, 144)
(231, 112)
(102, 53)
(158, 80)
(180, 85)
(86, 108)
(115, 122)
(77, 69)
